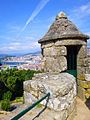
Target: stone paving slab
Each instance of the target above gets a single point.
(83, 113)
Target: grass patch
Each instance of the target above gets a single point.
(18, 99)
(5, 105)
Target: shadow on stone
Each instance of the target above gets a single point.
(88, 103)
(12, 108)
(42, 109)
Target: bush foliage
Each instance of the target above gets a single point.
(7, 95)
(5, 105)
(11, 82)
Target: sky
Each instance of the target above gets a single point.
(24, 22)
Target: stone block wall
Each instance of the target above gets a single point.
(54, 58)
(83, 74)
(88, 65)
(62, 88)
(54, 54)
(84, 86)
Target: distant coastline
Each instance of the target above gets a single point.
(12, 62)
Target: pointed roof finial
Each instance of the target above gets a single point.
(61, 15)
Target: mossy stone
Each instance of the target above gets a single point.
(84, 84)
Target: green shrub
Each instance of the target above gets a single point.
(12, 80)
(7, 95)
(5, 105)
(3, 89)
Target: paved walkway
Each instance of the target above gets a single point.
(83, 113)
(83, 110)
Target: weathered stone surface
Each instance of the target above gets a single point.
(71, 107)
(61, 50)
(54, 59)
(50, 51)
(70, 42)
(88, 65)
(81, 77)
(84, 84)
(82, 62)
(81, 70)
(62, 28)
(87, 95)
(87, 77)
(81, 93)
(47, 44)
(88, 90)
(52, 64)
(61, 116)
(86, 61)
(54, 51)
(88, 69)
(82, 52)
(29, 98)
(62, 88)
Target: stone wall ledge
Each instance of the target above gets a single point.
(62, 88)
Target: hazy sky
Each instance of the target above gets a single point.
(24, 22)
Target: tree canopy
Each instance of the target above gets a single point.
(12, 80)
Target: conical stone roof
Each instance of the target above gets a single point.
(62, 28)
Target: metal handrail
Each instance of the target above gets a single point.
(30, 107)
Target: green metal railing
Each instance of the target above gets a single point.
(72, 72)
(32, 106)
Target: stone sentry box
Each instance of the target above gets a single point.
(64, 48)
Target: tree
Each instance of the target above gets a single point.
(12, 80)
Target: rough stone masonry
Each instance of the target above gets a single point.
(62, 88)
(63, 48)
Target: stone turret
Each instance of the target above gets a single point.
(62, 28)
(64, 48)
(55, 45)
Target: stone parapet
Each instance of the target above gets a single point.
(83, 86)
(62, 88)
